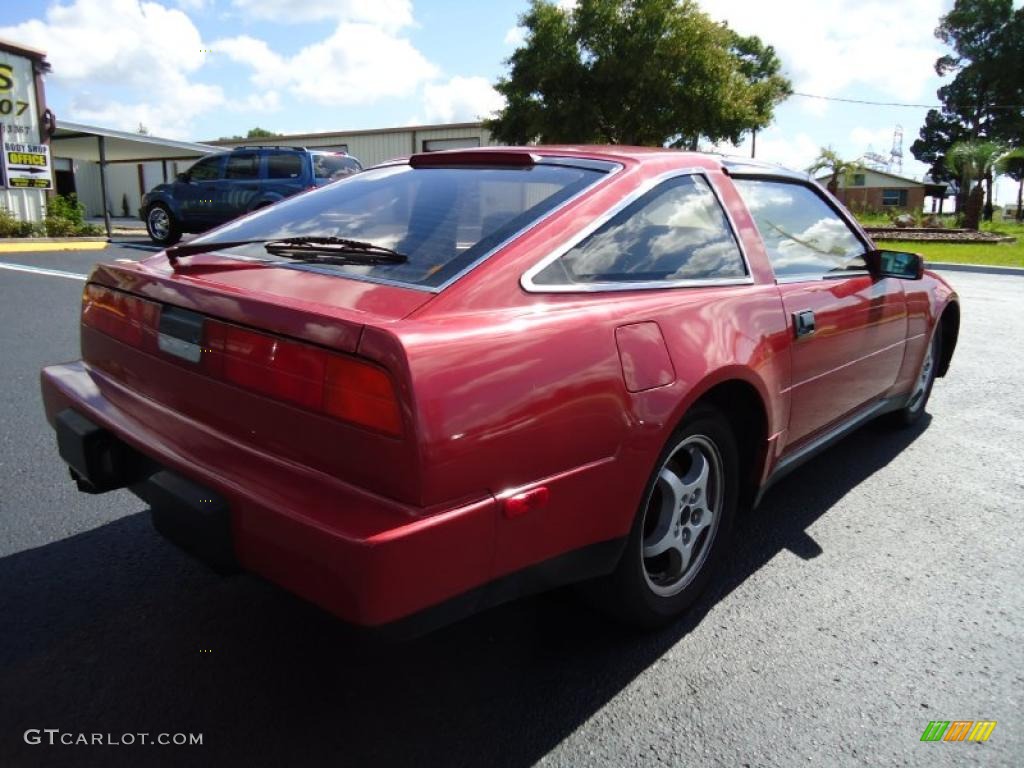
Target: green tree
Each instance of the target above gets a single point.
(983, 101)
(1012, 164)
(838, 168)
(651, 72)
(260, 133)
(253, 133)
(974, 162)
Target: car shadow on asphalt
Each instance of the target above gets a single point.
(114, 631)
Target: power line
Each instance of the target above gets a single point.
(895, 103)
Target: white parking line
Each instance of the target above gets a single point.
(41, 271)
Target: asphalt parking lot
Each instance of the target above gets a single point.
(876, 589)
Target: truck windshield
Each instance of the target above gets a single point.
(444, 219)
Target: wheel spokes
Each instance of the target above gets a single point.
(683, 511)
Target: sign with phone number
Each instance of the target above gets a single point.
(27, 166)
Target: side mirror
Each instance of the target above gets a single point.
(184, 178)
(908, 266)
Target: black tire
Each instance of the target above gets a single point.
(646, 591)
(161, 225)
(912, 412)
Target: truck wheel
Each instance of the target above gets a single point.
(161, 226)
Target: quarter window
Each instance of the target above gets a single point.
(677, 231)
(803, 235)
(281, 165)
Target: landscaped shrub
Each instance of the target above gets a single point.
(12, 226)
(65, 217)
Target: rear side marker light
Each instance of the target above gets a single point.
(526, 502)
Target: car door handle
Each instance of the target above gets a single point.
(803, 322)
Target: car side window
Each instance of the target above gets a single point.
(677, 231)
(243, 165)
(804, 236)
(284, 165)
(206, 169)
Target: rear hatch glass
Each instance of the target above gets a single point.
(443, 219)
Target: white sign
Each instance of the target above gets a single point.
(27, 166)
(19, 120)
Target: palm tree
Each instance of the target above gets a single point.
(829, 160)
(974, 161)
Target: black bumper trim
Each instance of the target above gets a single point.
(191, 516)
(98, 460)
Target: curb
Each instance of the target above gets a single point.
(983, 269)
(20, 245)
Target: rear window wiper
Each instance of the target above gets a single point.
(311, 248)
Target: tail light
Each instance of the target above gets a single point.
(353, 390)
(126, 318)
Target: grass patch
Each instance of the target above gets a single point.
(991, 254)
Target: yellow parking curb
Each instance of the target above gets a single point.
(56, 245)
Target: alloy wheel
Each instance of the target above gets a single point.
(159, 223)
(682, 516)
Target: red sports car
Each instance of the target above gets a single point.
(468, 375)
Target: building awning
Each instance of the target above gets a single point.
(105, 145)
(79, 141)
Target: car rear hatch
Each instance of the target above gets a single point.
(296, 364)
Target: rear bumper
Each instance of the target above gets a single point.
(367, 559)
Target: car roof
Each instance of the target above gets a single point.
(641, 155)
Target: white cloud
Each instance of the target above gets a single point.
(251, 52)
(170, 116)
(113, 42)
(357, 64)
(387, 14)
(461, 99)
(132, 61)
(829, 45)
(515, 37)
(774, 146)
(146, 50)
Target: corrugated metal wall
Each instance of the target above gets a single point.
(122, 179)
(25, 204)
(372, 147)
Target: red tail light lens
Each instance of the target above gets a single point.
(305, 375)
(275, 367)
(308, 376)
(127, 318)
(358, 392)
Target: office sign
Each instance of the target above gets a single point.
(27, 166)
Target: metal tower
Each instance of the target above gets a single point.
(896, 153)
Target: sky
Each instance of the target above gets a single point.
(201, 69)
